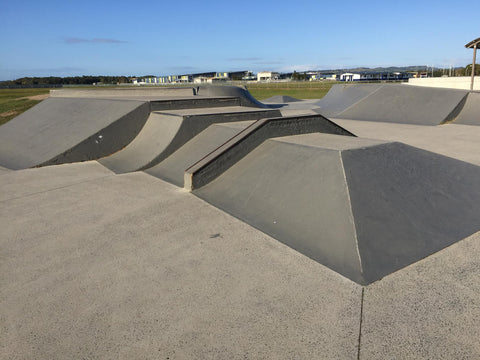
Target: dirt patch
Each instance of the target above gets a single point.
(36, 97)
(8, 113)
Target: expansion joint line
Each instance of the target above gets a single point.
(360, 327)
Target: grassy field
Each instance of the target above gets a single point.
(13, 102)
(298, 90)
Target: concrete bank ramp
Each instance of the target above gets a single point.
(342, 96)
(365, 208)
(399, 103)
(228, 154)
(62, 130)
(173, 167)
(165, 132)
(240, 92)
(470, 113)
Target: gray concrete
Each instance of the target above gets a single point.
(457, 141)
(109, 93)
(362, 207)
(165, 132)
(4, 170)
(240, 92)
(172, 168)
(60, 130)
(280, 99)
(429, 310)
(406, 105)
(342, 96)
(227, 155)
(128, 266)
(470, 113)
(23, 183)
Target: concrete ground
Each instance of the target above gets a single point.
(130, 267)
(98, 265)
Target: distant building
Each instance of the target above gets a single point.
(349, 77)
(267, 76)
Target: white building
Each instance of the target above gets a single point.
(349, 77)
(267, 76)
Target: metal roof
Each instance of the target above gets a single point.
(472, 43)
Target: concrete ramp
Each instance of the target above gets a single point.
(342, 96)
(165, 132)
(173, 167)
(240, 92)
(407, 104)
(63, 130)
(365, 208)
(470, 113)
(232, 151)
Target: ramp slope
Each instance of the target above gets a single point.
(406, 104)
(342, 96)
(172, 168)
(227, 155)
(165, 132)
(364, 208)
(470, 113)
(62, 130)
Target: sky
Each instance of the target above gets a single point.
(136, 38)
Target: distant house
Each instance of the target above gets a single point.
(349, 77)
(267, 76)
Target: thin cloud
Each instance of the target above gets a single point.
(74, 40)
(244, 59)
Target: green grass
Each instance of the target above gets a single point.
(13, 102)
(298, 90)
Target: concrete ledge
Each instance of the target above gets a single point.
(460, 82)
(214, 164)
(109, 93)
(194, 103)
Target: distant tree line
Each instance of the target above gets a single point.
(71, 80)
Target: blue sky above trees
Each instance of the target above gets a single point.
(71, 38)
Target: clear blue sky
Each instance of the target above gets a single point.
(103, 37)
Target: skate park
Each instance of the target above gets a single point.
(207, 224)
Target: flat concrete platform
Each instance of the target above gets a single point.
(458, 141)
(128, 266)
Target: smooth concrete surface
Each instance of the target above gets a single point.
(470, 113)
(364, 208)
(428, 310)
(407, 105)
(22, 183)
(4, 170)
(457, 82)
(130, 267)
(60, 130)
(165, 132)
(246, 99)
(227, 155)
(280, 99)
(173, 167)
(341, 96)
(458, 141)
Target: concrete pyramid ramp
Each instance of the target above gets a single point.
(364, 208)
(165, 132)
(342, 96)
(172, 168)
(62, 130)
(407, 104)
(470, 113)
